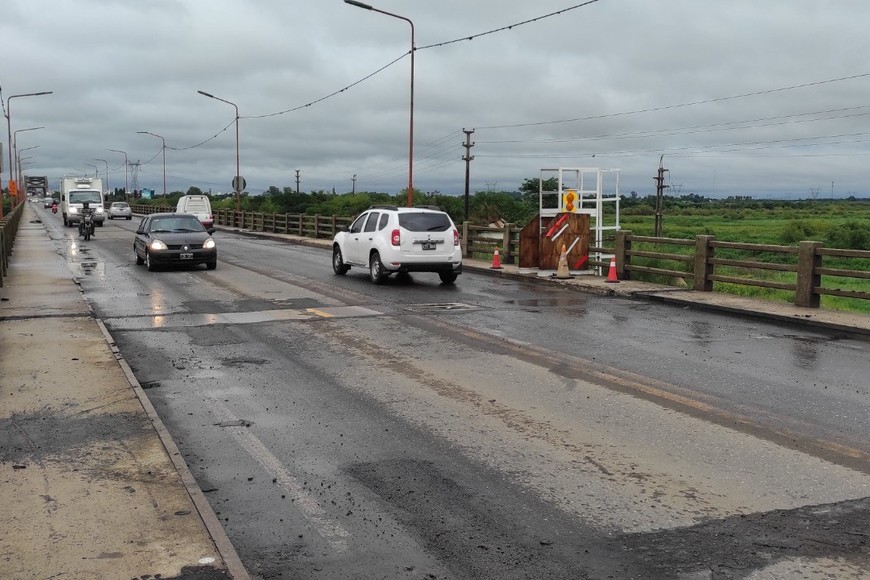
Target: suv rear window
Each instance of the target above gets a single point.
(424, 221)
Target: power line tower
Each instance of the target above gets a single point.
(660, 197)
(467, 158)
(297, 181)
(134, 169)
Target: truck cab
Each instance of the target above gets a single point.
(75, 191)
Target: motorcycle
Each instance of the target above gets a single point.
(86, 224)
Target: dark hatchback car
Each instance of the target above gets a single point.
(174, 238)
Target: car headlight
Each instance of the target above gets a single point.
(74, 210)
(209, 244)
(157, 245)
(99, 210)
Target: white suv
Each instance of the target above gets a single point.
(387, 239)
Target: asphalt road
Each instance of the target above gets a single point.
(491, 429)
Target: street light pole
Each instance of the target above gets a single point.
(15, 145)
(411, 123)
(9, 130)
(164, 157)
(96, 169)
(107, 173)
(125, 169)
(237, 185)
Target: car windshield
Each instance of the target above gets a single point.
(424, 221)
(176, 224)
(80, 196)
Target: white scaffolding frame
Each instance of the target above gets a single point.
(594, 187)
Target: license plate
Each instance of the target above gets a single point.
(186, 256)
(428, 245)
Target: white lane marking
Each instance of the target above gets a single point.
(332, 531)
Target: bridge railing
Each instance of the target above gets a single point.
(805, 272)
(808, 270)
(8, 230)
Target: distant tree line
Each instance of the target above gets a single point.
(521, 206)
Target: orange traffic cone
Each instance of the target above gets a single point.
(496, 261)
(611, 276)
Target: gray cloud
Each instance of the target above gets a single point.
(118, 67)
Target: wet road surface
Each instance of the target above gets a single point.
(493, 429)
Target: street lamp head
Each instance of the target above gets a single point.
(358, 4)
(206, 94)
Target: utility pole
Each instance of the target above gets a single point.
(660, 197)
(297, 181)
(353, 179)
(467, 158)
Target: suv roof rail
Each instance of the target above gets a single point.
(392, 207)
(435, 207)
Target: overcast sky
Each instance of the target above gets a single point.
(768, 98)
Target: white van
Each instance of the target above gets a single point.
(197, 205)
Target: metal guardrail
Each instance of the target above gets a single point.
(8, 230)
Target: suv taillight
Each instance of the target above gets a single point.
(455, 237)
(396, 238)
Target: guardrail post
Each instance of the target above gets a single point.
(703, 267)
(809, 261)
(506, 245)
(621, 249)
(463, 242)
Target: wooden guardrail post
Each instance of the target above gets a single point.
(463, 243)
(807, 279)
(621, 249)
(703, 267)
(506, 245)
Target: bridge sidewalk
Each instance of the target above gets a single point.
(92, 486)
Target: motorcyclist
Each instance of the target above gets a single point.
(54, 206)
(86, 223)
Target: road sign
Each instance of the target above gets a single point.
(13, 188)
(239, 183)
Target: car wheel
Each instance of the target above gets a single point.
(447, 277)
(149, 263)
(377, 272)
(338, 265)
(211, 265)
(139, 260)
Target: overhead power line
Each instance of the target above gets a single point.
(680, 105)
(438, 44)
(508, 27)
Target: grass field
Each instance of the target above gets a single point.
(835, 223)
